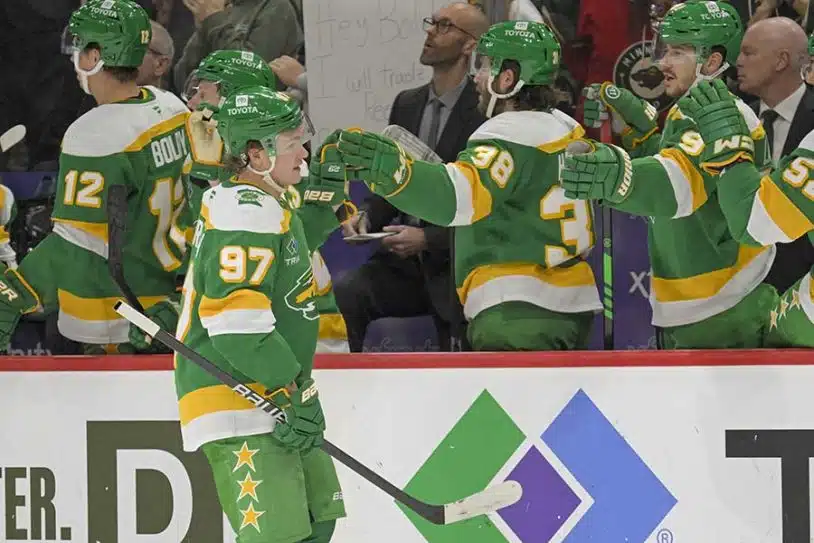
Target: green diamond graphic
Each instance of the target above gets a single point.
(467, 460)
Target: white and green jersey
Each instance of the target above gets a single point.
(139, 143)
(518, 237)
(248, 306)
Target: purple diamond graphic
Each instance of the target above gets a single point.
(547, 500)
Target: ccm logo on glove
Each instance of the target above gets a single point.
(735, 142)
(309, 393)
(312, 195)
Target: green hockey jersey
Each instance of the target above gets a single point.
(139, 143)
(775, 207)
(333, 335)
(247, 306)
(519, 238)
(698, 268)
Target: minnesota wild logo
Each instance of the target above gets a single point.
(301, 296)
(249, 197)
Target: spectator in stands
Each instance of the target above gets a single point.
(292, 74)
(158, 58)
(410, 275)
(269, 28)
(773, 53)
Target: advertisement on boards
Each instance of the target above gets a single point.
(635, 454)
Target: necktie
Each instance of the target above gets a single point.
(435, 122)
(769, 117)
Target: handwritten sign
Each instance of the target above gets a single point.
(360, 54)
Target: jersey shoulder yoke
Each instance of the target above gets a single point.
(243, 208)
(114, 128)
(550, 132)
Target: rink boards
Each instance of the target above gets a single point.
(626, 446)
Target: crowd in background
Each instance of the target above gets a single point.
(39, 91)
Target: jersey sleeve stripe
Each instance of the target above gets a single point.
(560, 144)
(473, 201)
(156, 130)
(242, 311)
(687, 181)
(774, 217)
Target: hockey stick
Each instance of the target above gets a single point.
(116, 230)
(486, 501)
(11, 137)
(606, 136)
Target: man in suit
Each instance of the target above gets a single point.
(773, 53)
(410, 274)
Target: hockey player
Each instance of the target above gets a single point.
(706, 289)
(762, 209)
(520, 242)
(135, 138)
(248, 306)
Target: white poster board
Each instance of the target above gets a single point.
(360, 54)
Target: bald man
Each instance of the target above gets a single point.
(773, 53)
(158, 59)
(410, 274)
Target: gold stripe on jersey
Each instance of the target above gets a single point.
(97, 309)
(157, 130)
(691, 175)
(782, 211)
(560, 144)
(332, 326)
(95, 229)
(213, 399)
(704, 285)
(243, 298)
(473, 200)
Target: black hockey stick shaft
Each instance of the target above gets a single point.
(433, 513)
(116, 234)
(606, 136)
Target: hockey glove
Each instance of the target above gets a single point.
(164, 314)
(604, 173)
(205, 143)
(305, 422)
(634, 118)
(379, 161)
(727, 139)
(16, 299)
(327, 176)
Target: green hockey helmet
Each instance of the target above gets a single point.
(532, 45)
(811, 45)
(230, 71)
(703, 25)
(260, 114)
(120, 28)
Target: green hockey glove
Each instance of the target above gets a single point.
(327, 176)
(595, 171)
(634, 118)
(16, 299)
(379, 161)
(164, 314)
(305, 424)
(727, 139)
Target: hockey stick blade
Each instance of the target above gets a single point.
(483, 502)
(11, 137)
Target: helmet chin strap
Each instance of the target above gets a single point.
(494, 95)
(266, 175)
(84, 74)
(701, 77)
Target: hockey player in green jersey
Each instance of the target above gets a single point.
(706, 289)
(248, 306)
(135, 138)
(762, 208)
(519, 241)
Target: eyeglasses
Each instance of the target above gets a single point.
(443, 26)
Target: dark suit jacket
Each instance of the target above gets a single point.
(795, 259)
(464, 118)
